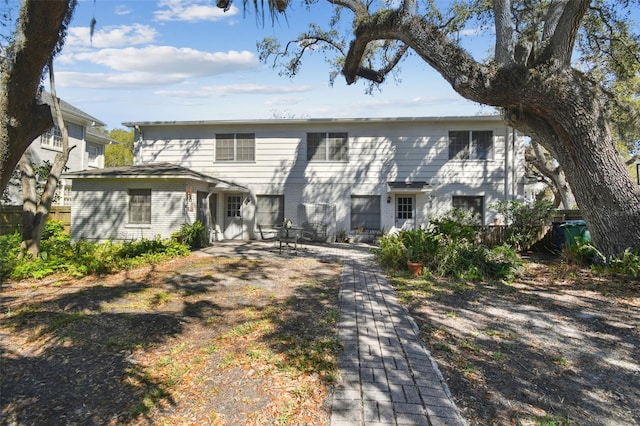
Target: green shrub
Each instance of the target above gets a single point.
(525, 222)
(449, 249)
(583, 254)
(58, 254)
(392, 253)
(627, 264)
(457, 225)
(195, 236)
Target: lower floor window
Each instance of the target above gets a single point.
(404, 208)
(139, 206)
(365, 212)
(234, 206)
(269, 210)
(474, 205)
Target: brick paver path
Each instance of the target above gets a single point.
(388, 377)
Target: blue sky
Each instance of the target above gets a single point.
(164, 60)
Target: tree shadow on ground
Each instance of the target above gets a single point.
(555, 348)
(73, 356)
(78, 367)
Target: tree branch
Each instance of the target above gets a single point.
(357, 7)
(561, 42)
(504, 47)
(378, 76)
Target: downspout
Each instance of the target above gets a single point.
(213, 232)
(506, 165)
(136, 144)
(513, 161)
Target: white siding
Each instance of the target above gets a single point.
(379, 151)
(100, 208)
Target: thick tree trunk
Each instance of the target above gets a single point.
(34, 212)
(39, 30)
(30, 221)
(568, 117)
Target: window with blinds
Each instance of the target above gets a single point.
(139, 206)
(470, 145)
(269, 210)
(327, 147)
(235, 147)
(365, 212)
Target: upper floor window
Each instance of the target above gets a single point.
(235, 147)
(52, 138)
(93, 154)
(470, 145)
(327, 147)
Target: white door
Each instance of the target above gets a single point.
(233, 217)
(405, 211)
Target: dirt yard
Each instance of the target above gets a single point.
(197, 340)
(560, 346)
(229, 341)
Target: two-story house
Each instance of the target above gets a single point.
(88, 151)
(332, 176)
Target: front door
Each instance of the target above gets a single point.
(405, 211)
(233, 217)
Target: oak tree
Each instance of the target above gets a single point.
(531, 77)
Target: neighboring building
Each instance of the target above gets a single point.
(330, 176)
(89, 143)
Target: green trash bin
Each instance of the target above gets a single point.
(575, 231)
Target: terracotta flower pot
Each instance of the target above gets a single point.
(415, 268)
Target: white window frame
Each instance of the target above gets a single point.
(135, 204)
(327, 143)
(470, 151)
(269, 210)
(93, 160)
(468, 203)
(239, 151)
(52, 138)
(366, 212)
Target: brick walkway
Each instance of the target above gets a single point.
(387, 376)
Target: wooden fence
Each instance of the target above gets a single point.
(494, 235)
(11, 217)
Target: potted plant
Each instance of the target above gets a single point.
(414, 260)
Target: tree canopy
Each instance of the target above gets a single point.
(120, 154)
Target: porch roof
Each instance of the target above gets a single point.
(153, 171)
(411, 187)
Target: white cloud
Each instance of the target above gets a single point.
(234, 89)
(111, 36)
(284, 100)
(115, 80)
(122, 9)
(162, 60)
(192, 11)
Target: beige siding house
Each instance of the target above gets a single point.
(332, 177)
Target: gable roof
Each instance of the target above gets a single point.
(98, 136)
(71, 110)
(152, 170)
